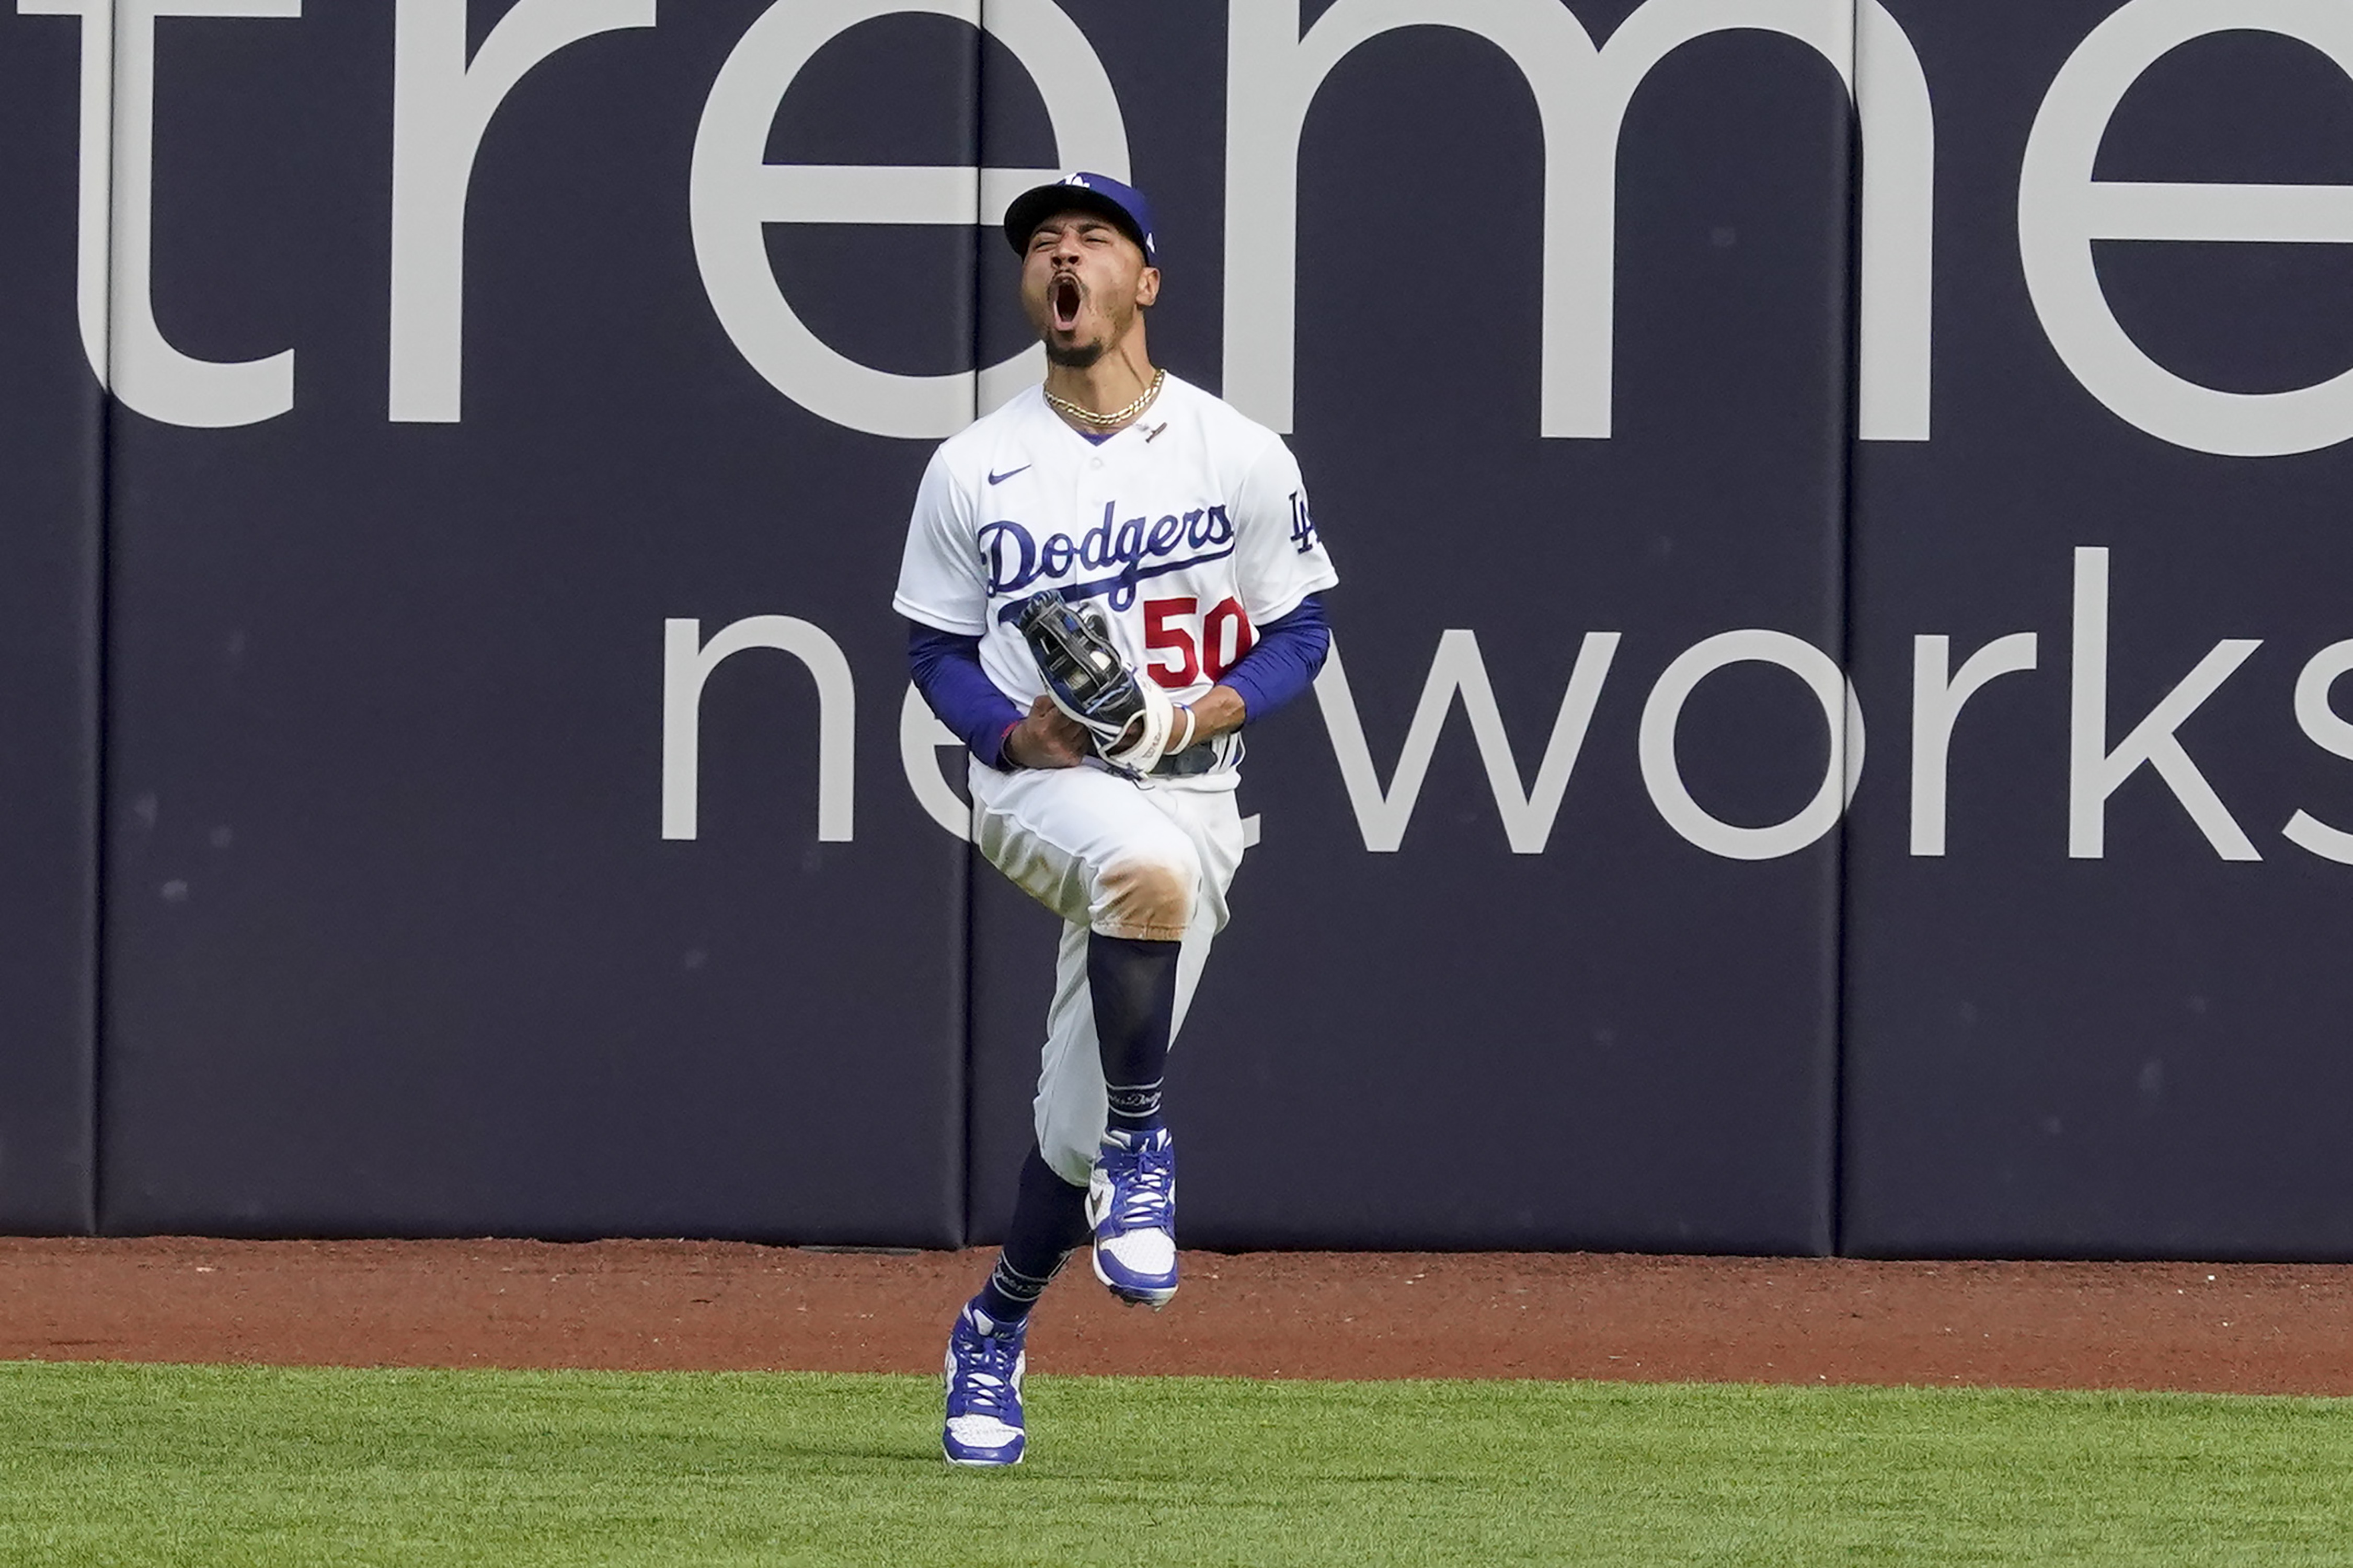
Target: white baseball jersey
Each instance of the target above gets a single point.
(1189, 529)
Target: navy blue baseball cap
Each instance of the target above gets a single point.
(1122, 204)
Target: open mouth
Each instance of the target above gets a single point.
(1065, 299)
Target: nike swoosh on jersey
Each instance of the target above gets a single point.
(997, 479)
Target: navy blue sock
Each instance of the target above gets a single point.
(1132, 986)
(1049, 1219)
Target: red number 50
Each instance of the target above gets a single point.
(1224, 637)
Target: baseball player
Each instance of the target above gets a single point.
(1105, 579)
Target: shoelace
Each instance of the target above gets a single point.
(986, 1373)
(1143, 1191)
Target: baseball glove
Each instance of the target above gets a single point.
(1128, 719)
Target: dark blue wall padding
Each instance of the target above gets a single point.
(395, 945)
(403, 934)
(50, 484)
(2145, 1053)
(1623, 1041)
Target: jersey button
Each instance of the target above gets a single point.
(1096, 463)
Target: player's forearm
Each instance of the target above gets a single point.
(1220, 710)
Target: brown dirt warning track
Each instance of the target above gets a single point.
(2239, 1328)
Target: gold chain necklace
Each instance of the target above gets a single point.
(1113, 421)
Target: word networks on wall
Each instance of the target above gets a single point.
(2096, 768)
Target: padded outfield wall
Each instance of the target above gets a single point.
(1830, 746)
(52, 489)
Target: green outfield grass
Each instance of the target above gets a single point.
(220, 1467)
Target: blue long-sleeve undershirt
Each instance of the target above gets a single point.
(1283, 663)
(946, 670)
(945, 667)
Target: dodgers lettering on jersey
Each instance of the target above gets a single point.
(1016, 563)
(1189, 529)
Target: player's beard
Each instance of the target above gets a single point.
(1076, 357)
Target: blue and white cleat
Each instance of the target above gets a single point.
(1132, 1204)
(984, 1364)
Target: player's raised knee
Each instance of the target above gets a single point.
(1147, 895)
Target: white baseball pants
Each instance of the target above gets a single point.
(1151, 862)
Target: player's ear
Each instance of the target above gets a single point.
(1147, 287)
